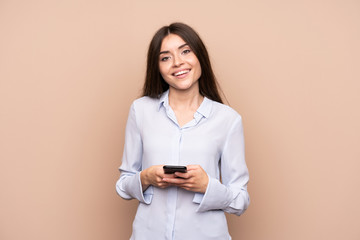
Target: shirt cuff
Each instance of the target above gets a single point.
(217, 196)
(198, 198)
(132, 187)
(145, 196)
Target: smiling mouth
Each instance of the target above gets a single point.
(181, 72)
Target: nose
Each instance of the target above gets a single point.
(178, 61)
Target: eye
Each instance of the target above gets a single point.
(186, 51)
(164, 59)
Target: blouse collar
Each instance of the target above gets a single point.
(204, 108)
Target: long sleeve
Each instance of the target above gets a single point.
(129, 184)
(213, 139)
(231, 195)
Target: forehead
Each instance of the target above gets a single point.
(171, 42)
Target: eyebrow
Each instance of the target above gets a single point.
(180, 47)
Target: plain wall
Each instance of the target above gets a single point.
(69, 71)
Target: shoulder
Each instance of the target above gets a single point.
(229, 120)
(145, 103)
(225, 117)
(142, 108)
(225, 111)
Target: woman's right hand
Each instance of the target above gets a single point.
(154, 176)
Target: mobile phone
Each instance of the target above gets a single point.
(169, 169)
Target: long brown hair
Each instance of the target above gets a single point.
(155, 85)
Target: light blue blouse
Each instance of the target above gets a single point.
(213, 139)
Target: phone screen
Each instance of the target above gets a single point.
(169, 169)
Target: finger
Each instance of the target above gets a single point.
(163, 185)
(192, 167)
(182, 175)
(174, 180)
(187, 188)
(168, 175)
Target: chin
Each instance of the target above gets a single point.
(184, 88)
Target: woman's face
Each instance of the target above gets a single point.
(178, 64)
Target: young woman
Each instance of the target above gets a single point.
(180, 120)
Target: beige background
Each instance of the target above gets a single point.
(69, 71)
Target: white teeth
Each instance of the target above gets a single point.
(181, 72)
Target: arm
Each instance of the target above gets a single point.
(231, 195)
(129, 184)
(135, 182)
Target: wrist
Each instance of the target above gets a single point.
(143, 179)
(206, 183)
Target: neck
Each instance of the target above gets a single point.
(181, 100)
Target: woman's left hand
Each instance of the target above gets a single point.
(195, 179)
